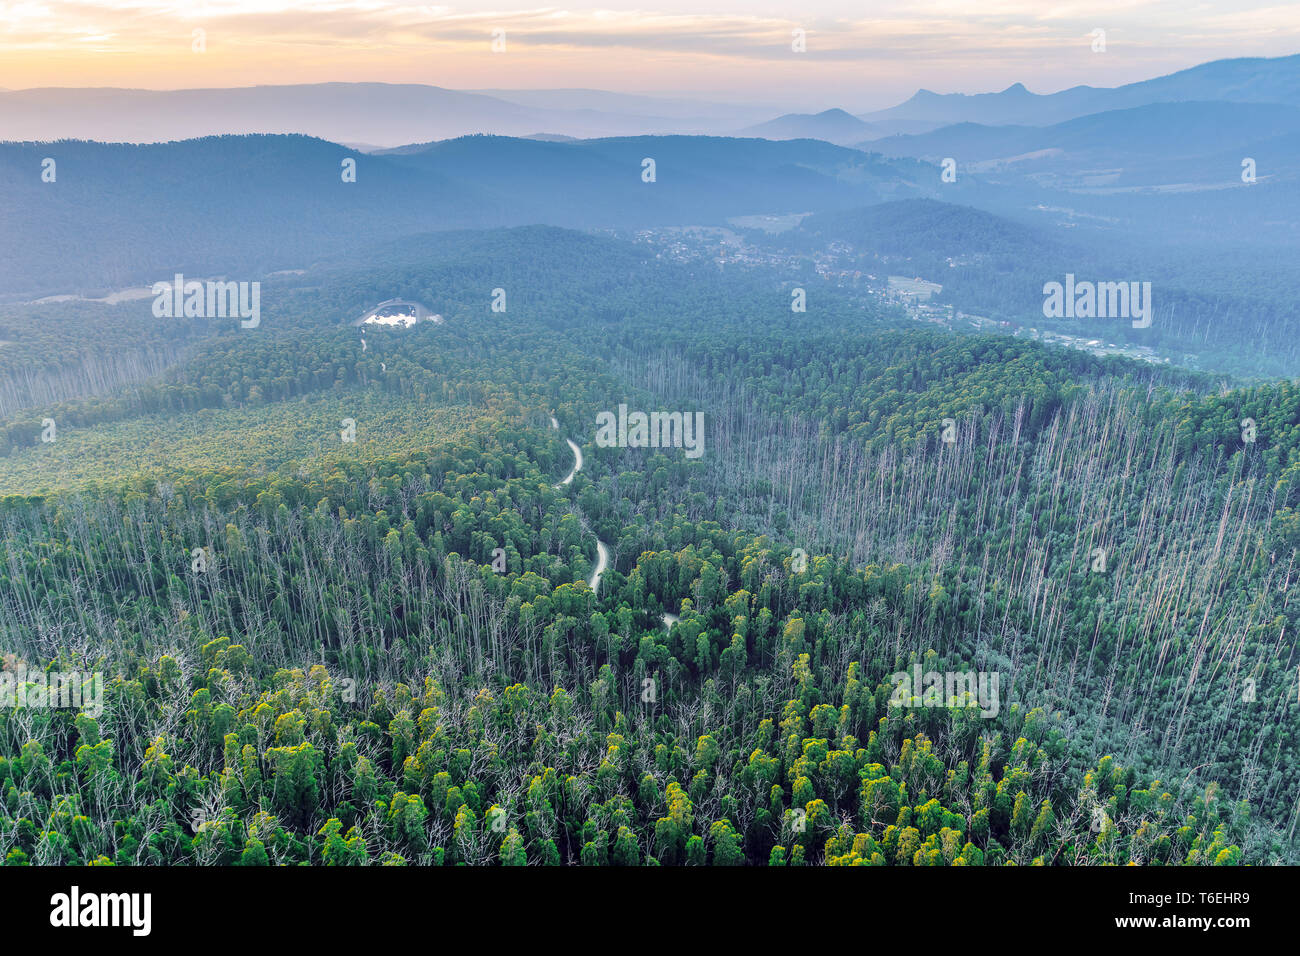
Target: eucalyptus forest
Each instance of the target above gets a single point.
(390, 650)
(647, 435)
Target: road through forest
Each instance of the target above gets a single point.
(602, 549)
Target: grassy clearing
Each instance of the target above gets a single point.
(303, 431)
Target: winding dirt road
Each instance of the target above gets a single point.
(602, 549)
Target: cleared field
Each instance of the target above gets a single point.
(301, 432)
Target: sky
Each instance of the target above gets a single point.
(859, 54)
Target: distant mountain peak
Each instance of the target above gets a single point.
(833, 126)
(1243, 80)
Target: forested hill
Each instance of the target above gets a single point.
(387, 650)
(1217, 254)
(1212, 309)
(256, 204)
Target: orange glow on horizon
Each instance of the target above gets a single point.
(940, 44)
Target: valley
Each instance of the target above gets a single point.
(569, 477)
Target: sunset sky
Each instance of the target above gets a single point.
(860, 55)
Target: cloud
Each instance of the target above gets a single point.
(739, 44)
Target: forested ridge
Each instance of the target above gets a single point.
(357, 674)
(1210, 306)
(243, 204)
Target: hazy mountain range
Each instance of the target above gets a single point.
(119, 213)
(1243, 80)
(833, 126)
(1145, 189)
(386, 115)
(367, 114)
(1159, 144)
